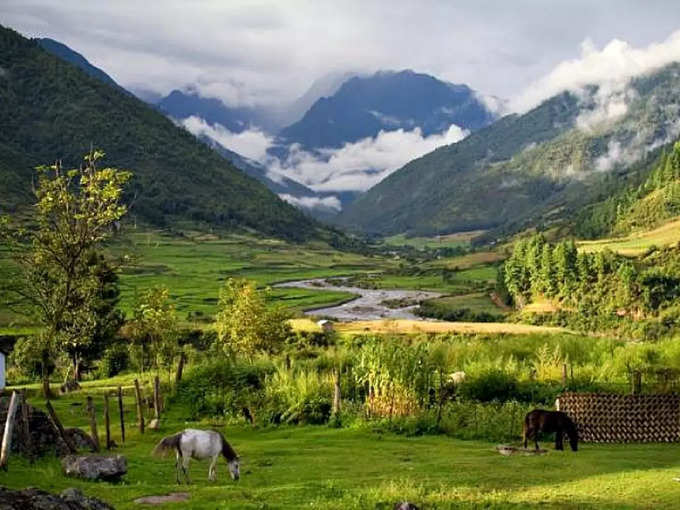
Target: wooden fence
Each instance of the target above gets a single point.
(612, 418)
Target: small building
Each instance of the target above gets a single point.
(6, 346)
(325, 325)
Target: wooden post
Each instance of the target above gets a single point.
(93, 423)
(140, 407)
(9, 425)
(59, 428)
(107, 421)
(180, 368)
(637, 383)
(26, 427)
(157, 398)
(122, 416)
(564, 374)
(336, 392)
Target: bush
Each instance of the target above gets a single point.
(488, 386)
(115, 359)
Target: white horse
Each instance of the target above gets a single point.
(199, 444)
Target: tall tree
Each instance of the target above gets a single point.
(76, 211)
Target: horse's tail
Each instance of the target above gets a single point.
(166, 444)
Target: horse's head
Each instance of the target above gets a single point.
(234, 470)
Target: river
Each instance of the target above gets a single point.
(369, 303)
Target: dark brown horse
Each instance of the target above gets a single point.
(539, 421)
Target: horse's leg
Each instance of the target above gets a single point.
(536, 431)
(178, 456)
(558, 440)
(527, 435)
(185, 469)
(212, 471)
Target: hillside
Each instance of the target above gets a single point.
(530, 169)
(365, 105)
(51, 110)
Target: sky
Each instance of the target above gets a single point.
(269, 53)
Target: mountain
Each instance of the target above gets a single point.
(51, 110)
(181, 105)
(65, 53)
(387, 100)
(529, 169)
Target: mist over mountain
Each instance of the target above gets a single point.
(387, 101)
(533, 168)
(52, 110)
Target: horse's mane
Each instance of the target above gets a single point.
(227, 451)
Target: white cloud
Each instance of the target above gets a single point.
(358, 166)
(330, 202)
(611, 68)
(251, 143)
(605, 105)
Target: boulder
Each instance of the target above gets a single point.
(36, 499)
(80, 439)
(95, 467)
(154, 424)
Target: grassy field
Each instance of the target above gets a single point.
(475, 302)
(328, 468)
(404, 326)
(637, 243)
(457, 240)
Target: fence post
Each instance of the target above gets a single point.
(26, 427)
(180, 369)
(336, 392)
(637, 383)
(157, 398)
(60, 429)
(122, 416)
(107, 421)
(9, 425)
(140, 407)
(93, 423)
(564, 374)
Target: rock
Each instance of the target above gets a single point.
(154, 424)
(44, 439)
(36, 499)
(173, 497)
(405, 505)
(512, 450)
(81, 439)
(95, 467)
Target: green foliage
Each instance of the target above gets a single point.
(154, 329)
(245, 324)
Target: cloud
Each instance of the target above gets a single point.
(358, 166)
(611, 68)
(607, 104)
(330, 202)
(270, 52)
(251, 143)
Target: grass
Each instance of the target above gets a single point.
(405, 326)
(637, 243)
(476, 302)
(457, 240)
(328, 468)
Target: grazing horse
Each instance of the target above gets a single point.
(538, 421)
(199, 444)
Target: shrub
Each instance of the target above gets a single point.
(115, 359)
(488, 386)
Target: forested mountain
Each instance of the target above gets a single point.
(365, 105)
(527, 169)
(65, 53)
(51, 110)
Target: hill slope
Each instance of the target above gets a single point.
(524, 169)
(363, 106)
(51, 110)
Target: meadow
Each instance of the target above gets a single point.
(637, 243)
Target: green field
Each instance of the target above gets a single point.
(327, 468)
(457, 240)
(637, 243)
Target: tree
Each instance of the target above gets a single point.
(154, 328)
(76, 211)
(245, 324)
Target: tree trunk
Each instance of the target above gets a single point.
(76, 369)
(47, 393)
(180, 368)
